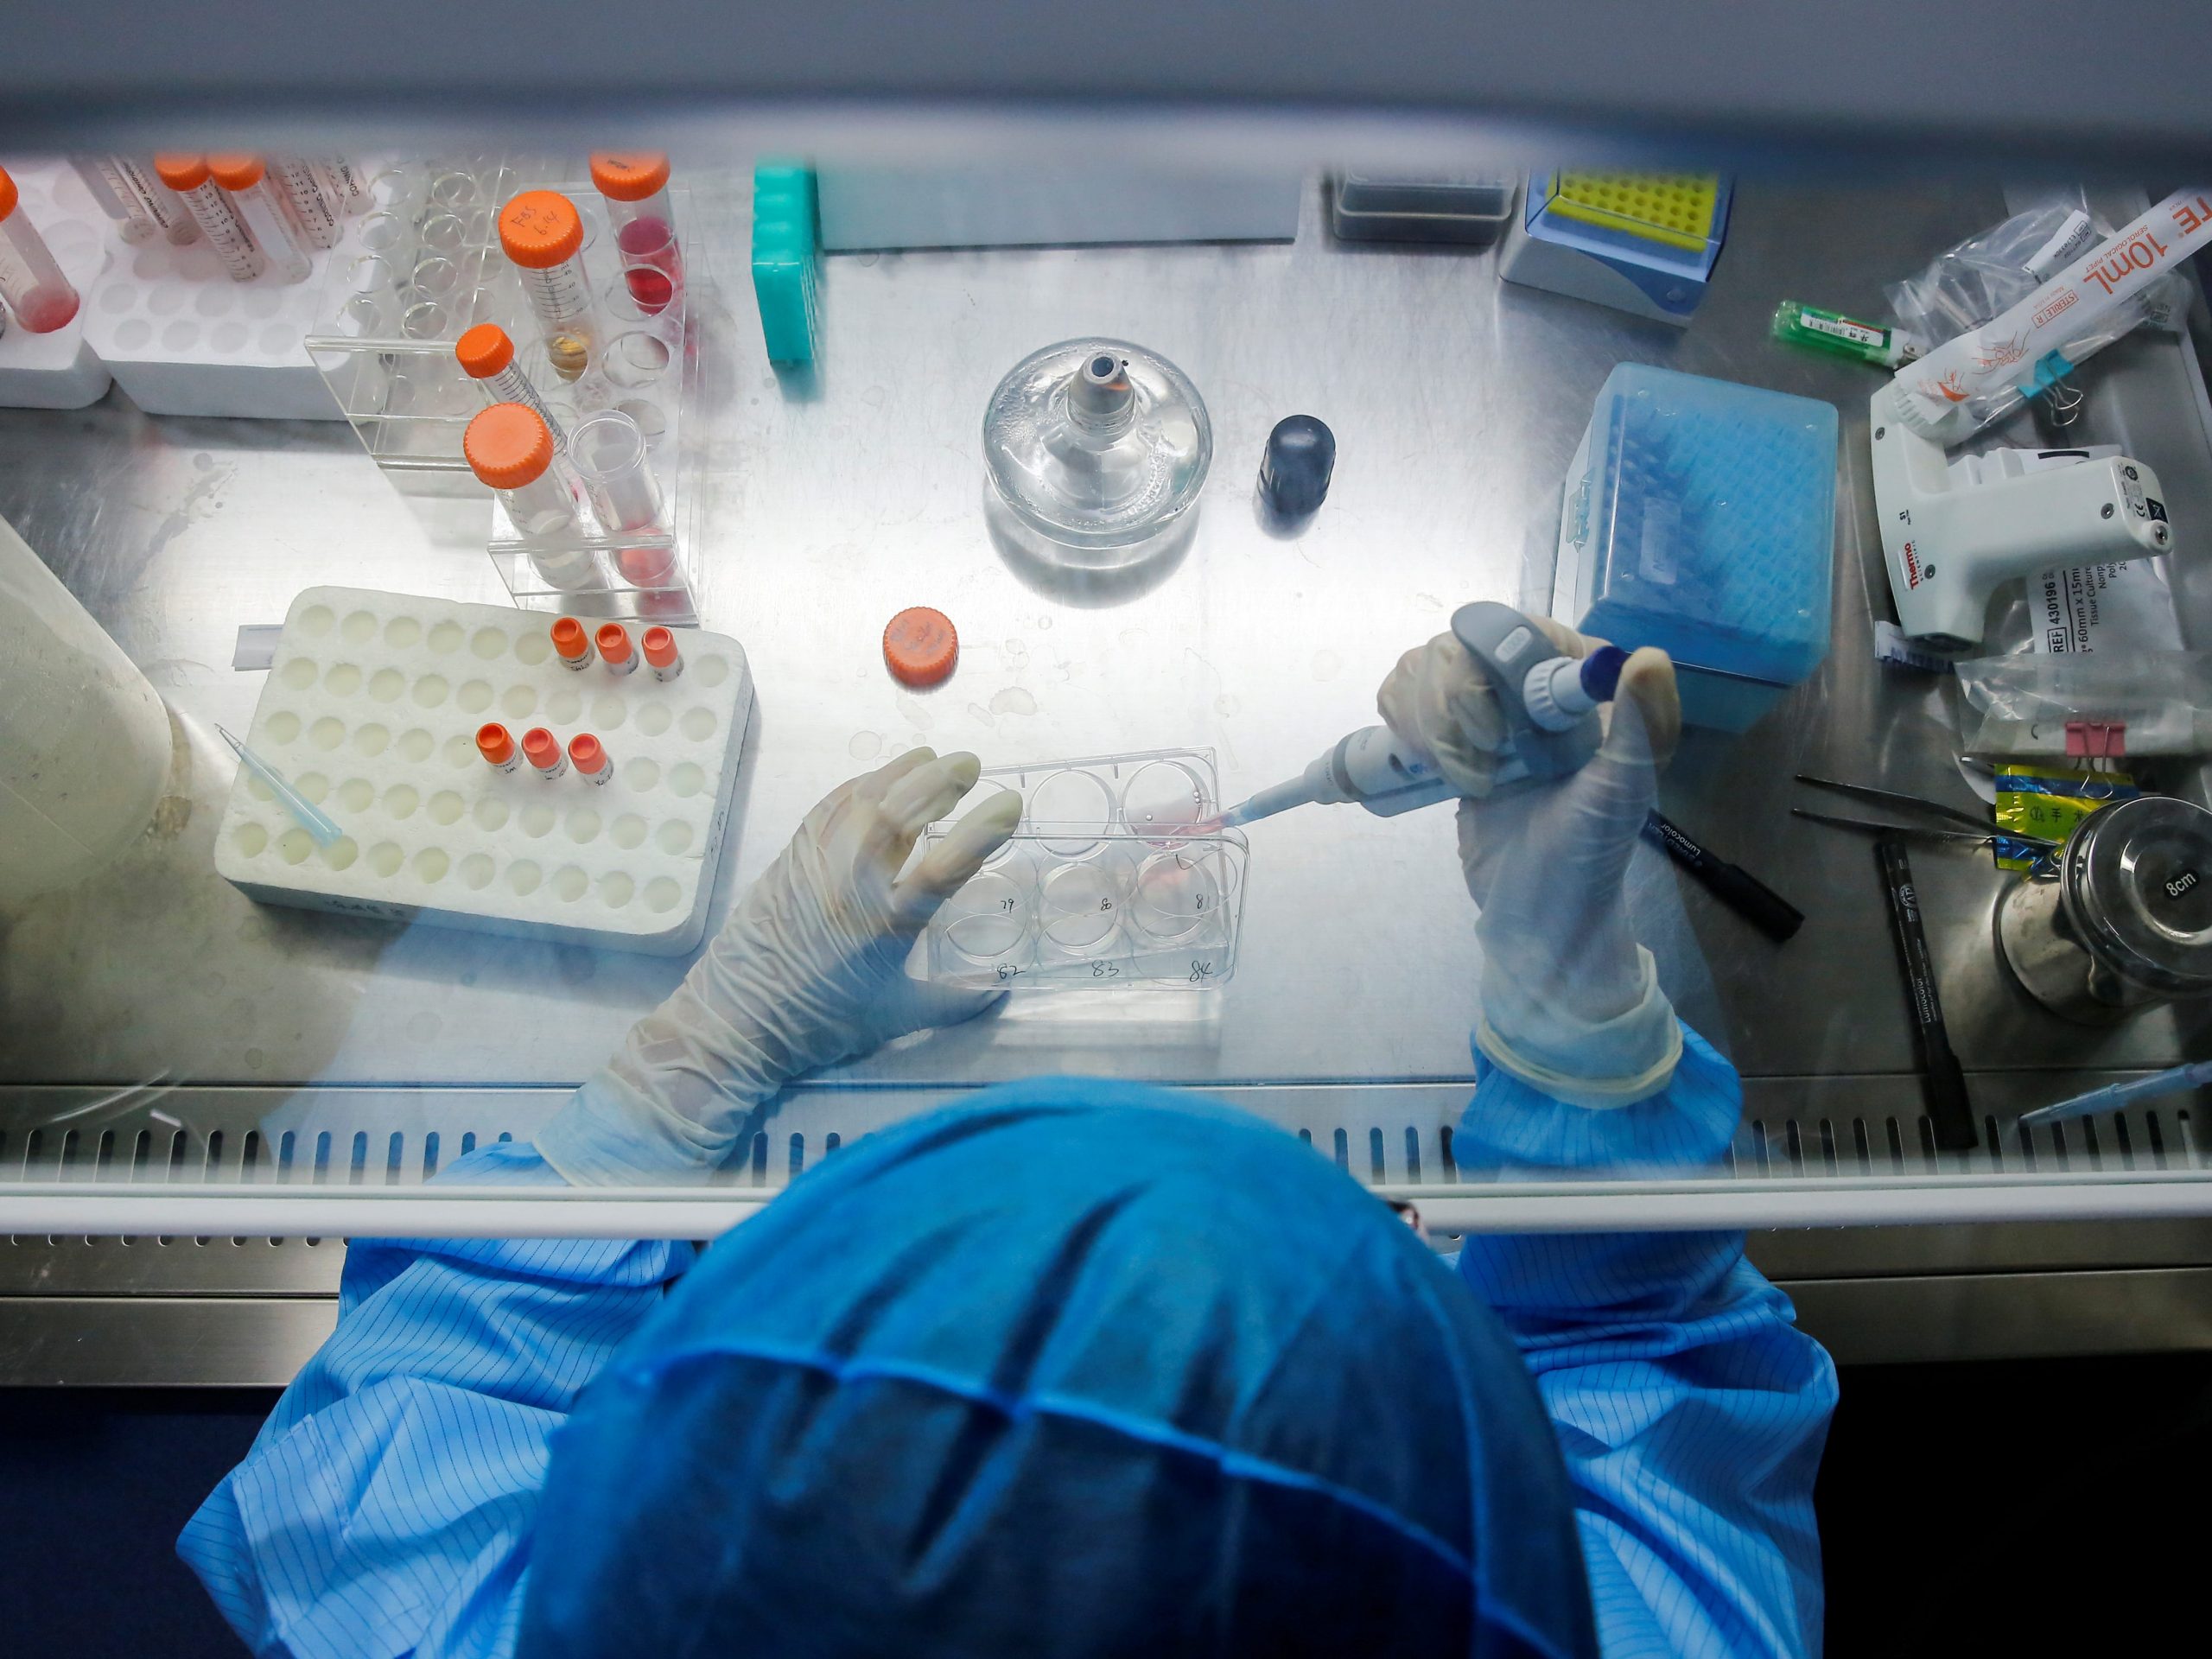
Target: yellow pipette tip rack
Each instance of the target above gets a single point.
(1675, 209)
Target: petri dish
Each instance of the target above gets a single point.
(1177, 895)
(986, 919)
(1162, 799)
(1080, 906)
(1072, 810)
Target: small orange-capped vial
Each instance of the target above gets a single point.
(571, 643)
(592, 763)
(543, 750)
(497, 746)
(659, 645)
(614, 645)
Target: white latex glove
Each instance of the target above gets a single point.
(1571, 1002)
(809, 970)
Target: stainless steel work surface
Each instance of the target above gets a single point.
(837, 497)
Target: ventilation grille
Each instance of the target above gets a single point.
(1398, 1135)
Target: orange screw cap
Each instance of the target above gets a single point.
(660, 646)
(613, 641)
(507, 446)
(236, 172)
(570, 640)
(494, 743)
(920, 647)
(540, 228)
(543, 748)
(180, 172)
(629, 178)
(483, 351)
(587, 751)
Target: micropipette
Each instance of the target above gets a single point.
(311, 817)
(1550, 702)
(2118, 1097)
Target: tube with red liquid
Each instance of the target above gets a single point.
(30, 281)
(636, 189)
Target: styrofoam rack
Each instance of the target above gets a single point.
(59, 369)
(183, 339)
(371, 711)
(1106, 882)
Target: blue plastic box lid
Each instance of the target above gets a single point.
(1699, 517)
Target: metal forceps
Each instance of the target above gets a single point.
(1977, 830)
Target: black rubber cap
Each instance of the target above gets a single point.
(1294, 472)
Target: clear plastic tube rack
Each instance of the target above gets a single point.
(424, 272)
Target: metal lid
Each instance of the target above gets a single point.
(2138, 888)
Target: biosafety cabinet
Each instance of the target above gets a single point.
(206, 1085)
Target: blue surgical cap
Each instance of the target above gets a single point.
(1080, 1368)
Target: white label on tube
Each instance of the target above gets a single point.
(2075, 234)
(1857, 332)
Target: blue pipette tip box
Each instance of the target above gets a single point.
(1699, 516)
(785, 279)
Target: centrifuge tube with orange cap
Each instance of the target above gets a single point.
(636, 189)
(487, 357)
(212, 210)
(615, 650)
(542, 233)
(313, 206)
(497, 746)
(592, 763)
(141, 204)
(571, 643)
(30, 281)
(659, 644)
(511, 448)
(245, 181)
(543, 750)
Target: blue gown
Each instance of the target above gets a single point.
(388, 1506)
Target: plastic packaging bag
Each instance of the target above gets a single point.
(1976, 294)
(1985, 276)
(2095, 706)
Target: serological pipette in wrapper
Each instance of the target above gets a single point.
(1966, 382)
(1549, 700)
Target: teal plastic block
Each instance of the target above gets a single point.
(785, 279)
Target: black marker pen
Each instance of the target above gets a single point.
(1942, 1084)
(1738, 888)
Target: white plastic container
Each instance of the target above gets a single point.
(85, 740)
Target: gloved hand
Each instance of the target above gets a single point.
(1571, 1002)
(809, 970)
